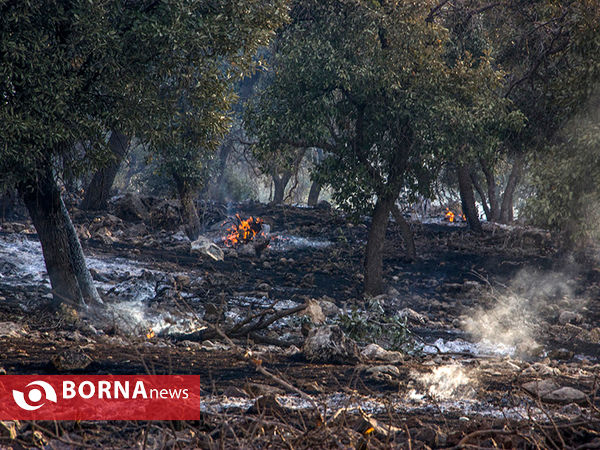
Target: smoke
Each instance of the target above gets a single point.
(446, 382)
(517, 316)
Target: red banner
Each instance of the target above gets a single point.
(100, 397)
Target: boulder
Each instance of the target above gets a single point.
(565, 395)
(383, 373)
(329, 344)
(566, 317)
(374, 351)
(550, 391)
(129, 207)
(540, 387)
(207, 247)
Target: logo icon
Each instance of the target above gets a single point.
(35, 396)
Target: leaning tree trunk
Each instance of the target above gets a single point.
(468, 199)
(313, 194)
(65, 263)
(279, 184)
(506, 211)
(98, 191)
(375, 241)
(407, 234)
(188, 207)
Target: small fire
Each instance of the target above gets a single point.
(451, 217)
(243, 231)
(150, 334)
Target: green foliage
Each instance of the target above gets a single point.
(566, 179)
(375, 326)
(374, 85)
(159, 70)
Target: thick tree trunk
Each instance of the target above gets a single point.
(69, 276)
(492, 191)
(279, 185)
(375, 242)
(407, 234)
(506, 211)
(98, 191)
(188, 207)
(468, 199)
(313, 194)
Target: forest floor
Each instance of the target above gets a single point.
(500, 334)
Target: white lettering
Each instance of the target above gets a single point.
(81, 389)
(104, 389)
(124, 390)
(139, 389)
(68, 389)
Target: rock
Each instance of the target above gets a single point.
(314, 311)
(561, 354)
(572, 409)
(166, 214)
(565, 395)
(412, 315)
(549, 391)
(205, 246)
(129, 207)
(328, 307)
(71, 359)
(374, 351)
(11, 330)
(383, 373)
(566, 317)
(540, 388)
(103, 235)
(329, 344)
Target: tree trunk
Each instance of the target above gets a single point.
(313, 194)
(188, 207)
(375, 242)
(468, 199)
(492, 192)
(279, 184)
(506, 211)
(407, 234)
(219, 188)
(98, 191)
(69, 276)
(479, 189)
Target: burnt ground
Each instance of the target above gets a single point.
(510, 288)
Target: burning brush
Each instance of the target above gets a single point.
(246, 231)
(452, 217)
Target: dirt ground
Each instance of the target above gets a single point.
(487, 315)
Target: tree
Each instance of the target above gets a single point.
(98, 191)
(70, 70)
(370, 83)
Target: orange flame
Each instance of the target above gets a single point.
(451, 216)
(244, 231)
(150, 334)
